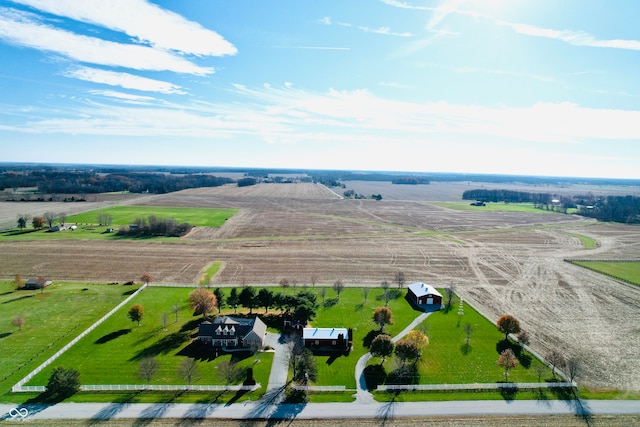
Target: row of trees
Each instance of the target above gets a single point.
(624, 209)
(154, 226)
(38, 222)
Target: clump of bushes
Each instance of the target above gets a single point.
(153, 226)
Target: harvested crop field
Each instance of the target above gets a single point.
(502, 262)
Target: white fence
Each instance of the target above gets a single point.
(19, 385)
(153, 387)
(477, 386)
(319, 388)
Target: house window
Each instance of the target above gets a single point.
(317, 342)
(333, 343)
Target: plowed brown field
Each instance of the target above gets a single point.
(502, 262)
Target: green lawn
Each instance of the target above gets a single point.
(52, 319)
(123, 215)
(509, 207)
(111, 354)
(352, 311)
(209, 273)
(587, 242)
(628, 271)
(88, 227)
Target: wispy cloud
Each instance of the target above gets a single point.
(382, 30)
(124, 80)
(21, 30)
(575, 38)
(294, 115)
(124, 96)
(572, 37)
(144, 21)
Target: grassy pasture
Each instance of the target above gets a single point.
(123, 215)
(505, 207)
(627, 271)
(111, 354)
(52, 319)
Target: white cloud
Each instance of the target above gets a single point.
(28, 33)
(125, 80)
(576, 38)
(143, 21)
(124, 96)
(290, 114)
(384, 31)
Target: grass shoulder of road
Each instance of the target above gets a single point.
(628, 271)
(88, 226)
(52, 317)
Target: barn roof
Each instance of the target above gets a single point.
(324, 333)
(420, 289)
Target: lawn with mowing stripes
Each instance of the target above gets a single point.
(111, 354)
(123, 215)
(53, 317)
(628, 271)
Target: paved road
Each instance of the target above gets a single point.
(106, 411)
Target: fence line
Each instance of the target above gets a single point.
(574, 261)
(477, 386)
(18, 386)
(319, 388)
(150, 387)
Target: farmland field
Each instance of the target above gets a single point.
(499, 261)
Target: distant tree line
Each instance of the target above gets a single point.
(153, 226)
(624, 209)
(88, 182)
(410, 180)
(509, 196)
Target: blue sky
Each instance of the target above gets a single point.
(535, 87)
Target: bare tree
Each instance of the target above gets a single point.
(449, 292)
(18, 321)
(468, 329)
(385, 287)
(365, 293)
(323, 293)
(63, 217)
(164, 317)
(50, 217)
(229, 372)
(574, 368)
(284, 283)
(148, 368)
(175, 309)
(523, 338)
(188, 370)
(540, 370)
(338, 287)
(23, 220)
(556, 360)
(399, 279)
(314, 280)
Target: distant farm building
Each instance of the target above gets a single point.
(37, 284)
(424, 297)
(327, 339)
(233, 333)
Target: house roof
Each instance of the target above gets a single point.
(226, 326)
(324, 333)
(419, 289)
